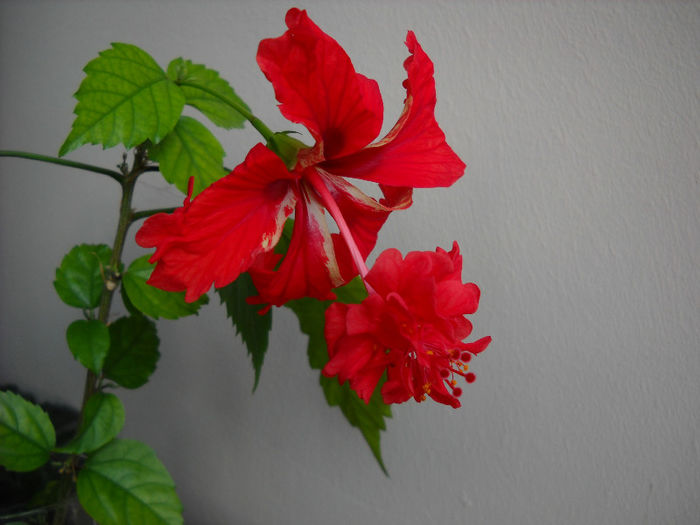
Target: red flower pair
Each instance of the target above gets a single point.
(412, 324)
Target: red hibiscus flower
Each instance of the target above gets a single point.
(411, 326)
(232, 226)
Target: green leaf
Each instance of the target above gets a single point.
(311, 314)
(189, 150)
(79, 279)
(133, 351)
(88, 340)
(368, 418)
(124, 482)
(26, 434)
(153, 301)
(205, 90)
(103, 419)
(125, 98)
(253, 327)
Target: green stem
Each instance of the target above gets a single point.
(62, 162)
(135, 216)
(111, 277)
(244, 111)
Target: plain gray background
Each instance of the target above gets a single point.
(578, 216)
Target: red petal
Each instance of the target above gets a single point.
(219, 234)
(351, 354)
(414, 153)
(385, 275)
(309, 269)
(358, 360)
(477, 346)
(455, 298)
(316, 85)
(334, 327)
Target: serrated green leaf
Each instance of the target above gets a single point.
(205, 90)
(79, 279)
(133, 351)
(125, 98)
(124, 482)
(103, 419)
(26, 434)
(189, 150)
(368, 418)
(88, 341)
(311, 315)
(153, 301)
(253, 327)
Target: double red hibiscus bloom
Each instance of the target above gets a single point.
(411, 326)
(233, 225)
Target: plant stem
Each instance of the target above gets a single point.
(112, 272)
(62, 162)
(112, 275)
(135, 216)
(244, 111)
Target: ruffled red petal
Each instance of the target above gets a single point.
(219, 234)
(317, 86)
(414, 153)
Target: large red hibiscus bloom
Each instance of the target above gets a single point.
(411, 326)
(232, 226)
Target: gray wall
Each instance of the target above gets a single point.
(579, 217)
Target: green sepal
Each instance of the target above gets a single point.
(153, 301)
(88, 341)
(205, 90)
(286, 147)
(368, 418)
(133, 351)
(125, 98)
(103, 419)
(80, 278)
(124, 482)
(253, 327)
(26, 434)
